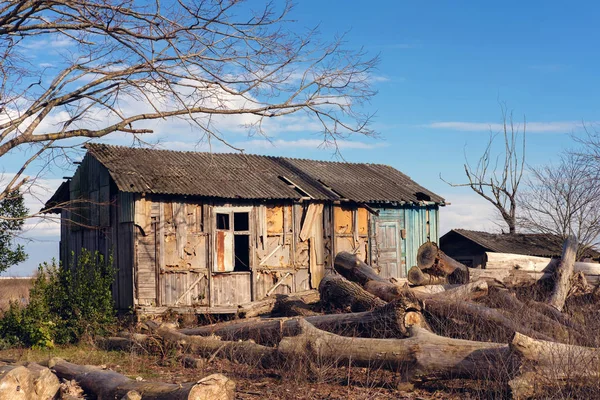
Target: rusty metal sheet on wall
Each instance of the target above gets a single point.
(363, 221)
(224, 252)
(274, 216)
(343, 220)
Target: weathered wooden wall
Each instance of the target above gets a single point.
(165, 252)
(290, 250)
(98, 219)
(171, 252)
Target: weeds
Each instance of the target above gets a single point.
(66, 304)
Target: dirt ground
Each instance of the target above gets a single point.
(253, 383)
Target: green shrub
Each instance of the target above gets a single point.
(66, 304)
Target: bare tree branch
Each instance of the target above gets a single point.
(563, 199)
(497, 177)
(188, 59)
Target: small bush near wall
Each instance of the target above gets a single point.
(66, 304)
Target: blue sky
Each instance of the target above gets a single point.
(444, 68)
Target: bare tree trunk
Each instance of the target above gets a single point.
(105, 385)
(422, 356)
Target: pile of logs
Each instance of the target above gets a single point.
(452, 322)
(31, 381)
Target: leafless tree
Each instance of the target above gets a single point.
(563, 199)
(190, 59)
(498, 172)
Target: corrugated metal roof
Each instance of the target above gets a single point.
(254, 177)
(531, 244)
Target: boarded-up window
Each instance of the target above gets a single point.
(274, 219)
(343, 220)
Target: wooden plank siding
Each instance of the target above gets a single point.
(165, 246)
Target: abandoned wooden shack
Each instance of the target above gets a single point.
(470, 247)
(212, 231)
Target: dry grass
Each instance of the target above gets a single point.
(253, 382)
(14, 289)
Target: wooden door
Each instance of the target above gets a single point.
(389, 249)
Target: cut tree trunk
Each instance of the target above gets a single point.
(562, 274)
(293, 306)
(266, 306)
(476, 320)
(507, 301)
(508, 261)
(384, 290)
(384, 321)
(434, 261)
(466, 292)
(548, 367)
(105, 384)
(339, 294)
(422, 356)
(353, 269)
(556, 315)
(211, 346)
(419, 278)
(28, 382)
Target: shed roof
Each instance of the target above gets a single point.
(531, 244)
(244, 176)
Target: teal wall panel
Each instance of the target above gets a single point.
(421, 224)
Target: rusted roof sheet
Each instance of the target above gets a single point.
(531, 244)
(254, 177)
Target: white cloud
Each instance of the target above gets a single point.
(467, 211)
(35, 194)
(56, 42)
(534, 127)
